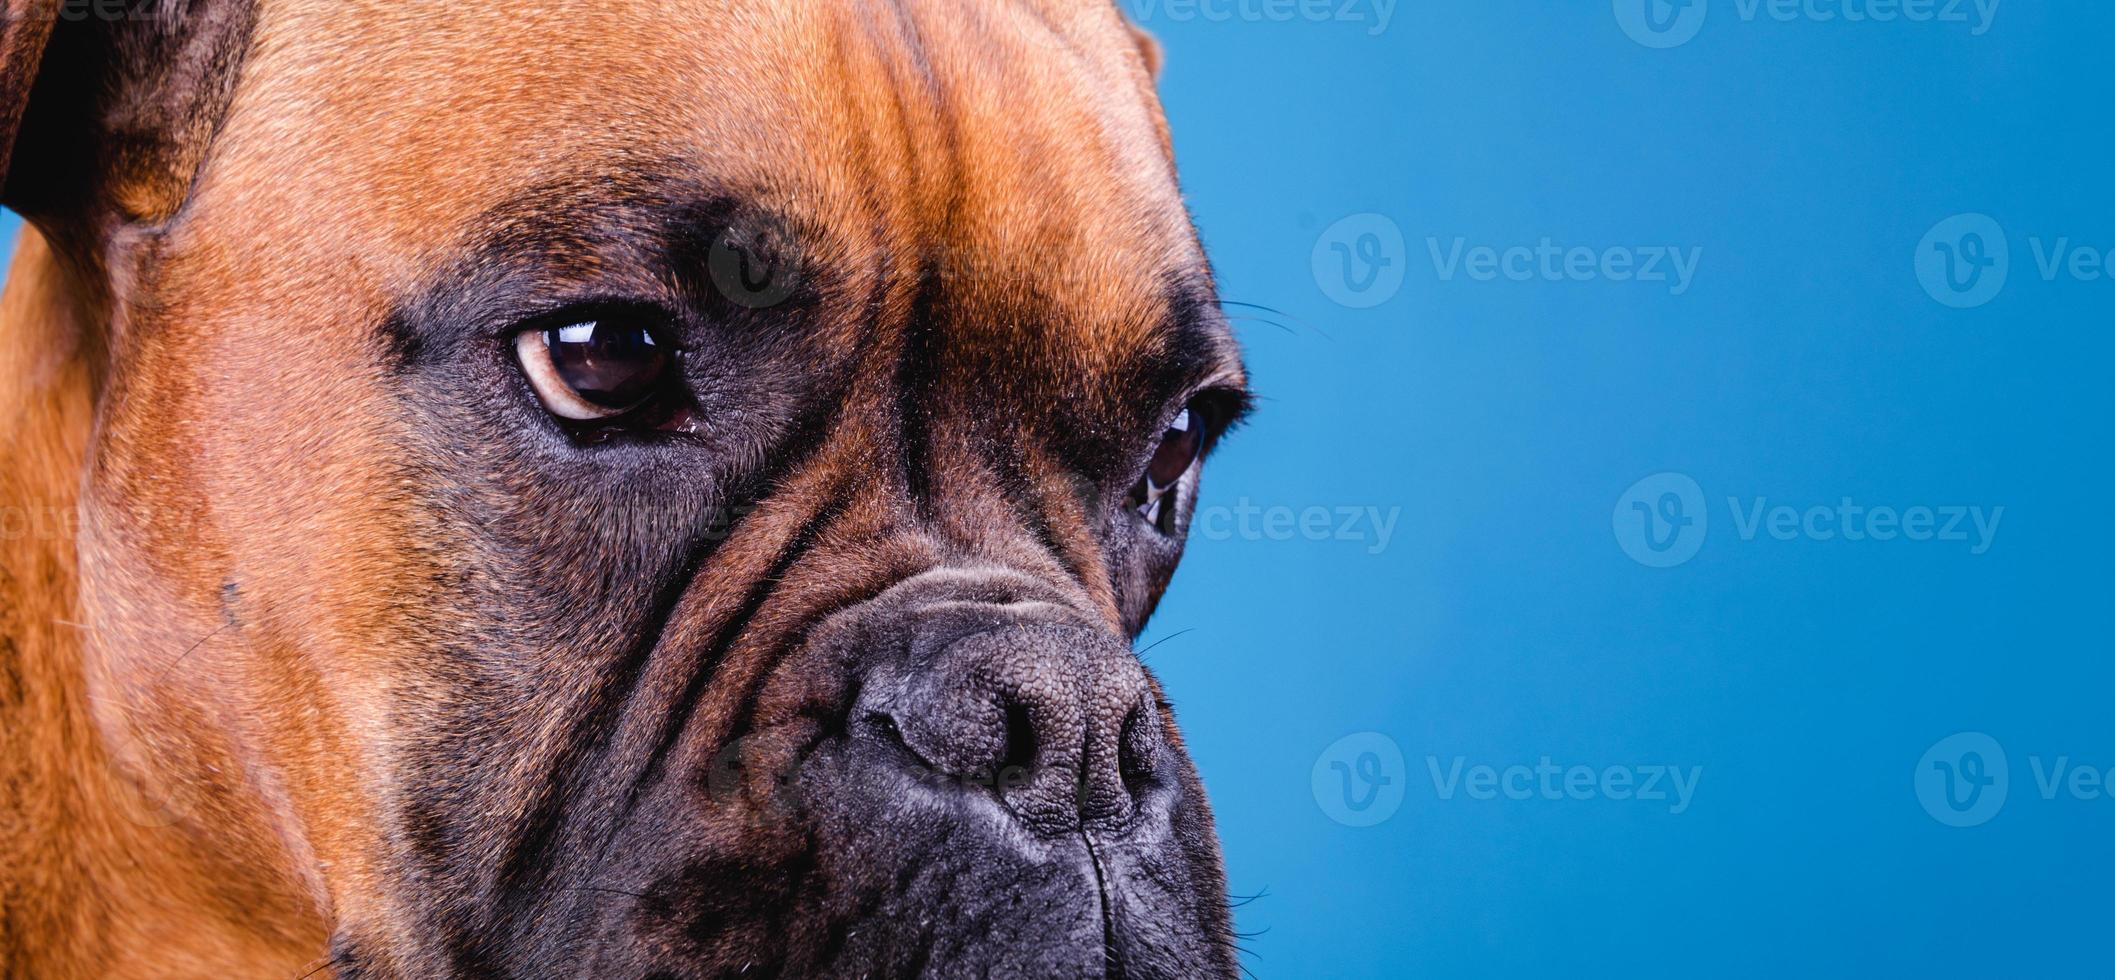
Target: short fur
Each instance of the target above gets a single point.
(323, 648)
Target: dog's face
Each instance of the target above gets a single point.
(650, 489)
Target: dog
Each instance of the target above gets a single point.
(567, 489)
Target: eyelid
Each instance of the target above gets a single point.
(664, 323)
(1220, 409)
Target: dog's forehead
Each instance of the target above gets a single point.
(1015, 144)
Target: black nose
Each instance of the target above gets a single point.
(1057, 721)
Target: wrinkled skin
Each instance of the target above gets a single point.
(347, 655)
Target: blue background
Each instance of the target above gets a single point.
(1500, 422)
(1502, 622)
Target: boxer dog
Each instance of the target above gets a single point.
(590, 489)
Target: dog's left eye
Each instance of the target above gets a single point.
(594, 369)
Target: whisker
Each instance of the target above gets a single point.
(1237, 901)
(1142, 653)
(193, 648)
(1274, 311)
(1266, 321)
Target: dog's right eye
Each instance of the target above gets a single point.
(594, 369)
(1178, 450)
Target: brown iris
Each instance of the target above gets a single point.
(594, 369)
(1172, 459)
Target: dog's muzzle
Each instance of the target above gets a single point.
(995, 797)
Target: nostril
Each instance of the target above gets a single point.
(1138, 749)
(1019, 752)
(882, 727)
(1059, 722)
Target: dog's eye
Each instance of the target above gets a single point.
(593, 369)
(1179, 448)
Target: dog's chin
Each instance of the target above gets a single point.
(856, 868)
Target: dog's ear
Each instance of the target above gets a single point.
(126, 98)
(1148, 48)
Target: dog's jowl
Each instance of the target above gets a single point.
(658, 489)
